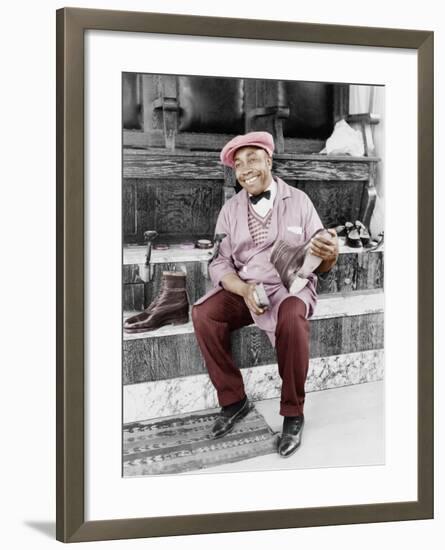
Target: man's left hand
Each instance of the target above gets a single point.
(325, 247)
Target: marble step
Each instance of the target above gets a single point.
(355, 270)
(162, 398)
(343, 323)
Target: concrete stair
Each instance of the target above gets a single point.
(164, 373)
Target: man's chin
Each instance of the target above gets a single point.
(253, 187)
(254, 190)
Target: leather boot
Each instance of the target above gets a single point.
(170, 307)
(295, 263)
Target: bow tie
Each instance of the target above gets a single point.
(256, 198)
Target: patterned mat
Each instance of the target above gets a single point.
(182, 444)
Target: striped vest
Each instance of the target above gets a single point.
(258, 226)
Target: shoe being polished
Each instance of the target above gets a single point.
(170, 307)
(295, 263)
(290, 439)
(228, 417)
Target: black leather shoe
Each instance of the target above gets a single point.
(225, 423)
(291, 437)
(365, 237)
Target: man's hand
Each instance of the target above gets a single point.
(327, 249)
(249, 298)
(233, 283)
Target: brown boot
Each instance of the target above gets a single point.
(170, 307)
(295, 263)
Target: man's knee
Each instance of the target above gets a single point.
(292, 313)
(198, 314)
(202, 315)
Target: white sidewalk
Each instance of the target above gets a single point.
(344, 427)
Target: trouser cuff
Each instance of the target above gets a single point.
(289, 410)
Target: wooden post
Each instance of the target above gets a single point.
(168, 105)
(130, 101)
(341, 102)
(264, 111)
(148, 95)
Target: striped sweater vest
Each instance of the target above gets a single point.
(258, 226)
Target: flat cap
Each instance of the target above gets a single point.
(264, 140)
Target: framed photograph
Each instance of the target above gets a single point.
(245, 231)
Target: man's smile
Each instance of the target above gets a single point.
(250, 180)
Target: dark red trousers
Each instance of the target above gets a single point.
(224, 312)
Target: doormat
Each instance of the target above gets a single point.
(182, 444)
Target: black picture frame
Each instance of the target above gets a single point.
(71, 25)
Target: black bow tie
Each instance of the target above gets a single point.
(256, 198)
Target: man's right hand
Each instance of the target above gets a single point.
(235, 284)
(249, 298)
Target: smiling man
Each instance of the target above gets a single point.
(265, 211)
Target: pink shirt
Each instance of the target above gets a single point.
(294, 219)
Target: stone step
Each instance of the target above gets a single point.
(175, 396)
(355, 270)
(342, 324)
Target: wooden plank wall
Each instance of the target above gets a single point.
(180, 194)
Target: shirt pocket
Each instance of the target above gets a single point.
(294, 234)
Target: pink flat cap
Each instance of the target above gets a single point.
(264, 140)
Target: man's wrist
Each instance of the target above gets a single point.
(233, 283)
(327, 265)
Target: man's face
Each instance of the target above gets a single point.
(253, 169)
